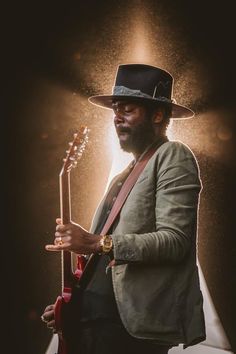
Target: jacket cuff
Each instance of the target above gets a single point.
(122, 251)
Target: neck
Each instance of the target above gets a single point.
(155, 140)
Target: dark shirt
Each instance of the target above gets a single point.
(98, 300)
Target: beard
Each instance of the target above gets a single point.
(136, 139)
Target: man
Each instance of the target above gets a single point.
(142, 295)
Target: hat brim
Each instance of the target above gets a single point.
(105, 101)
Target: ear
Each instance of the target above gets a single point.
(158, 117)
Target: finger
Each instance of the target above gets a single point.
(58, 240)
(51, 324)
(49, 307)
(61, 238)
(54, 248)
(47, 316)
(60, 234)
(63, 228)
(43, 319)
(59, 247)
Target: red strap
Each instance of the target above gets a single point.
(122, 196)
(127, 187)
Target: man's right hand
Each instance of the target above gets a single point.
(49, 318)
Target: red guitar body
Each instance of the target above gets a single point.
(62, 311)
(61, 302)
(63, 306)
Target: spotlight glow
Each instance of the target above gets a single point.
(121, 159)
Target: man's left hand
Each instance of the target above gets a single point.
(72, 237)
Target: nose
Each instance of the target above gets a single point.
(118, 117)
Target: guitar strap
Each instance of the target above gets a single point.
(122, 196)
(128, 185)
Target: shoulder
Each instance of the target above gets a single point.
(177, 150)
(176, 146)
(176, 153)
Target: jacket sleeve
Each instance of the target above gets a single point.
(177, 192)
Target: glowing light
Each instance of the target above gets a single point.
(224, 133)
(138, 48)
(120, 159)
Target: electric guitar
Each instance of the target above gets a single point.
(68, 276)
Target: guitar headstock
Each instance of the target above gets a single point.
(76, 149)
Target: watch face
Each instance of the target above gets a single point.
(106, 243)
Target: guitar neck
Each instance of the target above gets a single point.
(74, 153)
(67, 276)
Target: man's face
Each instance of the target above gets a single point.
(133, 126)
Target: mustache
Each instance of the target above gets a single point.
(121, 129)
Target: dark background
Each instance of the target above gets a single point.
(54, 55)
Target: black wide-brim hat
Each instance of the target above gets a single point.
(145, 83)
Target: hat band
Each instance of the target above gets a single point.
(125, 91)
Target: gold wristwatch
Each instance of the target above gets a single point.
(106, 244)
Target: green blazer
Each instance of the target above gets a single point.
(156, 281)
